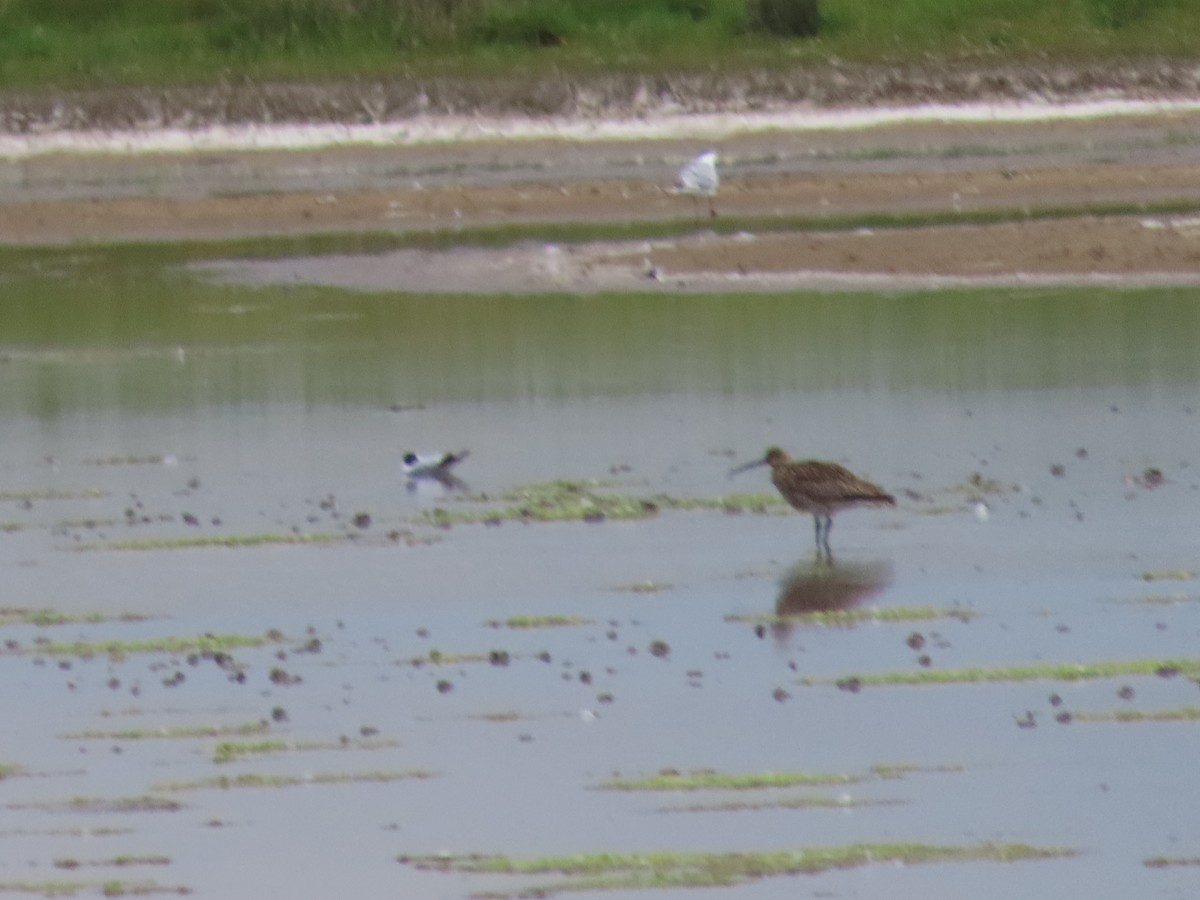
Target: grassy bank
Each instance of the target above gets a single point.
(83, 43)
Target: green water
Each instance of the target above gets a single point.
(122, 331)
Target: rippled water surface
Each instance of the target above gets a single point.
(1041, 446)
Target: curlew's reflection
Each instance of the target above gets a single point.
(810, 587)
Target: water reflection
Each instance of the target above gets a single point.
(820, 586)
(142, 334)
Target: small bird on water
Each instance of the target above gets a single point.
(820, 488)
(699, 179)
(434, 467)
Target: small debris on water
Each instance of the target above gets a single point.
(281, 677)
(852, 684)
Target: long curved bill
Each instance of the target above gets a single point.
(747, 466)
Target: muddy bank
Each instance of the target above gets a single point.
(592, 96)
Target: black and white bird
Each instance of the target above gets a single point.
(433, 467)
(699, 179)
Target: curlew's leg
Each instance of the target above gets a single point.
(817, 529)
(825, 541)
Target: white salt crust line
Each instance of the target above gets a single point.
(449, 129)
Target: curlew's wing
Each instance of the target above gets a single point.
(827, 483)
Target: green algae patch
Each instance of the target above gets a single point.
(569, 500)
(847, 618)
(643, 587)
(439, 658)
(145, 803)
(7, 770)
(896, 771)
(1181, 714)
(820, 801)
(227, 541)
(709, 780)
(250, 780)
(46, 888)
(547, 621)
(111, 888)
(152, 459)
(1163, 600)
(117, 861)
(1169, 575)
(638, 871)
(209, 643)
(180, 732)
(31, 496)
(1047, 672)
(231, 751)
(1167, 862)
(45, 618)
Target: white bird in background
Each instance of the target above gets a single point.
(434, 467)
(699, 179)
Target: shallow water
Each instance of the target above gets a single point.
(284, 410)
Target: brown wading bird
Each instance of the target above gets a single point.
(820, 488)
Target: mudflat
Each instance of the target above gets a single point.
(1081, 199)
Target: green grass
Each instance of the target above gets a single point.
(61, 43)
(634, 871)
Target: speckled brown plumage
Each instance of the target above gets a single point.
(820, 488)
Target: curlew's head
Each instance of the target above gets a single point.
(776, 457)
(773, 457)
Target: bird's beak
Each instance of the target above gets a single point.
(745, 466)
